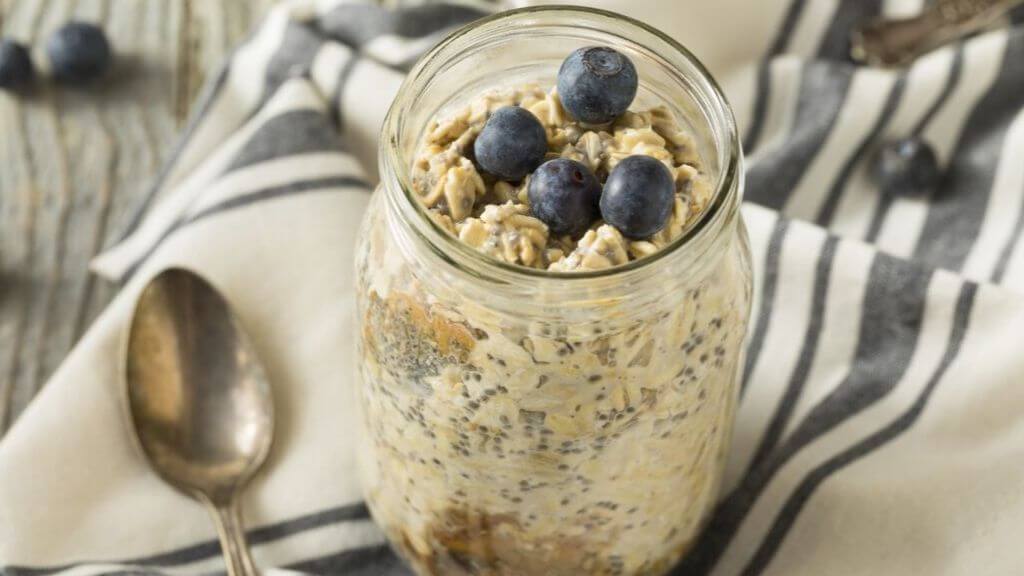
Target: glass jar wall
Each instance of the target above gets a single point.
(521, 421)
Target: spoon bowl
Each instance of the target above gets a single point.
(198, 398)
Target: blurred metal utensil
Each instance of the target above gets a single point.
(199, 401)
(895, 42)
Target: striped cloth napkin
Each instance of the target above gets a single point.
(880, 429)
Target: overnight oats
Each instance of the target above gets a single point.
(553, 285)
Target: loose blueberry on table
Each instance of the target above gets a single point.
(79, 52)
(907, 167)
(15, 65)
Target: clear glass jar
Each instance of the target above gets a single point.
(521, 421)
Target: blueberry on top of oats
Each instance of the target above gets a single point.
(564, 194)
(479, 173)
(638, 196)
(511, 144)
(597, 84)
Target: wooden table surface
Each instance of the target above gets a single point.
(75, 162)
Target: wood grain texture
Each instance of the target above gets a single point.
(74, 163)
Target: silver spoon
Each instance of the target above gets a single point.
(199, 401)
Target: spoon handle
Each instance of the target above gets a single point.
(897, 42)
(232, 539)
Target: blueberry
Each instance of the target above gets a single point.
(512, 143)
(79, 52)
(596, 84)
(564, 194)
(638, 196)
(907, 167)
(15, 65)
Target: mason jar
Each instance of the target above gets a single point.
(521, 421)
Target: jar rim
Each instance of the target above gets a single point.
(394, 163)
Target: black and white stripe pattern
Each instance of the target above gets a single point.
(880, 382)
(327, 50)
